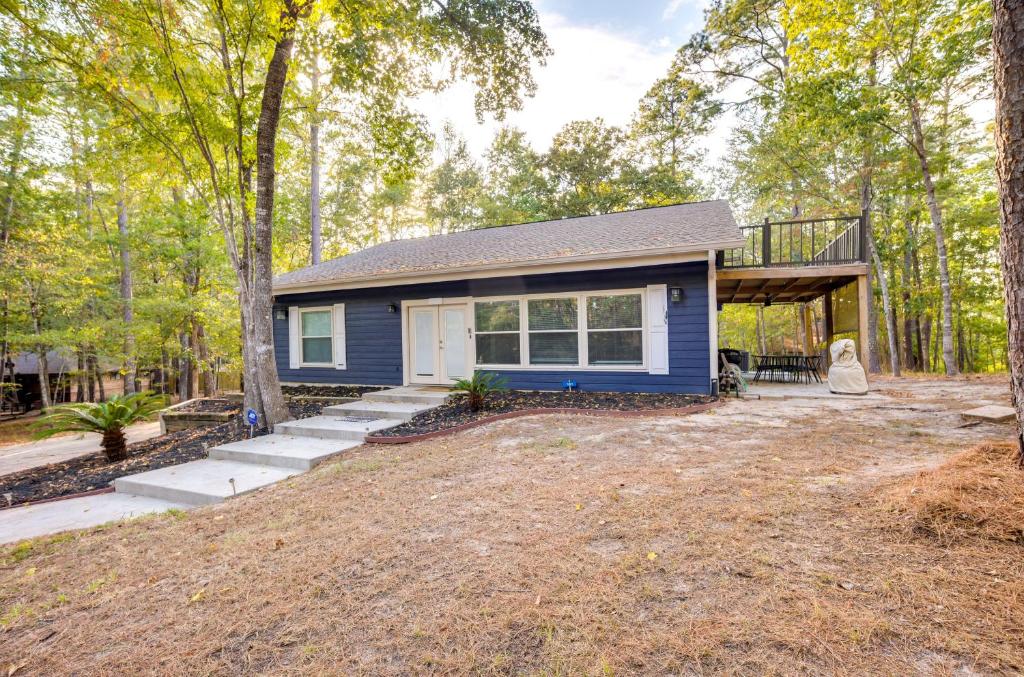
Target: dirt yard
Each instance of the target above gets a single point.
(765, 537)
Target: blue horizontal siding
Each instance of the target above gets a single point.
(374, 336)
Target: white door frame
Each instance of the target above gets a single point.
(438, 306)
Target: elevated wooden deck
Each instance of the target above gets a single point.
(784, 285)
(798, 262)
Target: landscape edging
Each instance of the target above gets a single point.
(632, 413)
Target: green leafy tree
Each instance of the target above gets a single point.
(515, 187)
(452, 190)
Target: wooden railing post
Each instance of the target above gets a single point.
(862, 241)
(766, 243)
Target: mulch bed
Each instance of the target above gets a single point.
(456, 412)
(89, 473)
(328, 391)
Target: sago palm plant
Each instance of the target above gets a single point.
(477, 388)
(108, 418)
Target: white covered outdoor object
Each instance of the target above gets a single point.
(846, 375)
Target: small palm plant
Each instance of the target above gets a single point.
(108, 418)
(477, 388)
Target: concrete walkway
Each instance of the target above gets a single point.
(231, 469)
(27, 455)
(17, 524)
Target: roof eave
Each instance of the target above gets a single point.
(635, 257)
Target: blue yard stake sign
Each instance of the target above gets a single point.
(252, 418)
(570, 385)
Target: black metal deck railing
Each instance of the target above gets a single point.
(803, 242)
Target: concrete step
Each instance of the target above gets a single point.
(429, 395)
(201, 482)
(335, 427)
(282, 451)
(400, 410)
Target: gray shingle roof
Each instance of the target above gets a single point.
(680, 228)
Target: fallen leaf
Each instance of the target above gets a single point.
(579, 506)
(652, 556)
(198, 597)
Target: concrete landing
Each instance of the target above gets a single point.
(990, 413)
(398, 410)
(335, 427)
(282, 451)
(201, 482)
(428, 395)
(30, 521)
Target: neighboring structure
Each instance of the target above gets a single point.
(61, 375)
(617, 302)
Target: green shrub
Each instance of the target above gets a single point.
(477, 388)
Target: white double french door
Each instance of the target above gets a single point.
(438, 343)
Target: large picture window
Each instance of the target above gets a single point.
(615, 330)
(497, 332)
(317, 338)
(594, 330)
(553, 326)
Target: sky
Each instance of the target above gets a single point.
(607, 54)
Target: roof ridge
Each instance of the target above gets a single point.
(533, 223)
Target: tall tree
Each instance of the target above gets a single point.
(452, 192)
(516, 189)
(1008, 51)
(226, 96)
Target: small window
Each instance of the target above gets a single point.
(615, 330)
(553, 327)
(316, 335)
(497, 332)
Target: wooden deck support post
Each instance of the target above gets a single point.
(863, 298)
(829, 326)
(809, 347)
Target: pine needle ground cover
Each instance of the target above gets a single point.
(769, 537)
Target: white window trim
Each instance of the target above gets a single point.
(474, 332)
(581, 314)
(302, 352)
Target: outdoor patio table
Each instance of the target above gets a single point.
(786, 368)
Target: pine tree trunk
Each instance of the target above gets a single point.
(208, 379)
(909, 317)
(43, 370)
(890, 317)
(314, 164)
(79, 377)
(935, 212)
(1008, 48)
(127, 302)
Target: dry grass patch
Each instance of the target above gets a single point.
(976, 494)
(749, 540)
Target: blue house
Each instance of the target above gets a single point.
(616, 302)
